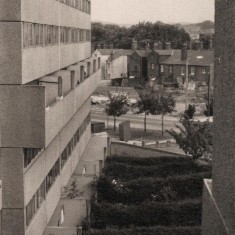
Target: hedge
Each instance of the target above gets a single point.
(149, 231)
(151, 189)
(147, 161)
(186, 213)
(125, 171)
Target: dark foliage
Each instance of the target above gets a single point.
(185, 213)
(151, 189)
(144, 32)
(189, 113)
(150, 231)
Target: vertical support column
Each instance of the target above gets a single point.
(11, 168)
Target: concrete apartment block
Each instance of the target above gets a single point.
(45, 50)
(219, 198)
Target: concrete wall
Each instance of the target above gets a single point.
(224, 112)
(41, 12)
(60, 231)
(127, 150)
(118, 67)
(10, 56)
(39, 222)
(36, 173)
(63, 110)
(11, 163)
(22, 116)
(212, 221)
(44, 214)
(74, 211)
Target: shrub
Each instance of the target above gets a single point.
(185, 213)
(147, 161)
(151, 189)
(126, 171)
(150, 231)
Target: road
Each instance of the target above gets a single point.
(137, 120)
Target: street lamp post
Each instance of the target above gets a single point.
(186, 80)
(186, 84)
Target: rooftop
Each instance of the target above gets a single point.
(207, 58)
(116, 52)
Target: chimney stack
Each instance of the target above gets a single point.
(147, 48)
(184, 52)
(160, 45)
(156, 46)
(201, 46)
(151, 45)
(134, 44)
(168, 46)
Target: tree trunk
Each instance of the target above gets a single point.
(145, 129)
(114, 124)
(162, 125)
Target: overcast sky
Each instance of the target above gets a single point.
(167, 11)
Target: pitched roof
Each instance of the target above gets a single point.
(207, 58)
(141, 53)
(165, 52)
(116, 52)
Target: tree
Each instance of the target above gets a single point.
(209, 107)
(146, 104)
(164, 104)
(190, 111)
(116, 106)
(194, 138)
(145, 32)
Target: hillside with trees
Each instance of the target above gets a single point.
(106, 35)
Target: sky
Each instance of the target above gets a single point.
(167, 11)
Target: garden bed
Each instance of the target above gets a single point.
(149, 196)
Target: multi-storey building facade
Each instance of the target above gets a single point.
(47, 77)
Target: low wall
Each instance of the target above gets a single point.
(128, 150)
(212, 220)
(62, 231)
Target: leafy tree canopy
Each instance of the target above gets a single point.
(144, 32)
(194, 138)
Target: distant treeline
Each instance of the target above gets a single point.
(108, 35)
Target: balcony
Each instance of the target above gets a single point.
(35, 114)
(22, 65)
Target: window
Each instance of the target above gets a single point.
(170, 70)
(182, 70)
(88, 68)
(152, 66)
(30, 154)
(203, 71)
(35, 203)
(94, 66)
(40, 195)
(192, 71)
(53, 173)
(82, 73)
(162, 68)
(99, 63)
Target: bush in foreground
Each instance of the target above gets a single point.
(151, 189)
(185, 213)
(149, 231)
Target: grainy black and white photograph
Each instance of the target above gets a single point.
(117, 117)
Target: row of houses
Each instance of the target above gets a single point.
(167, 67)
